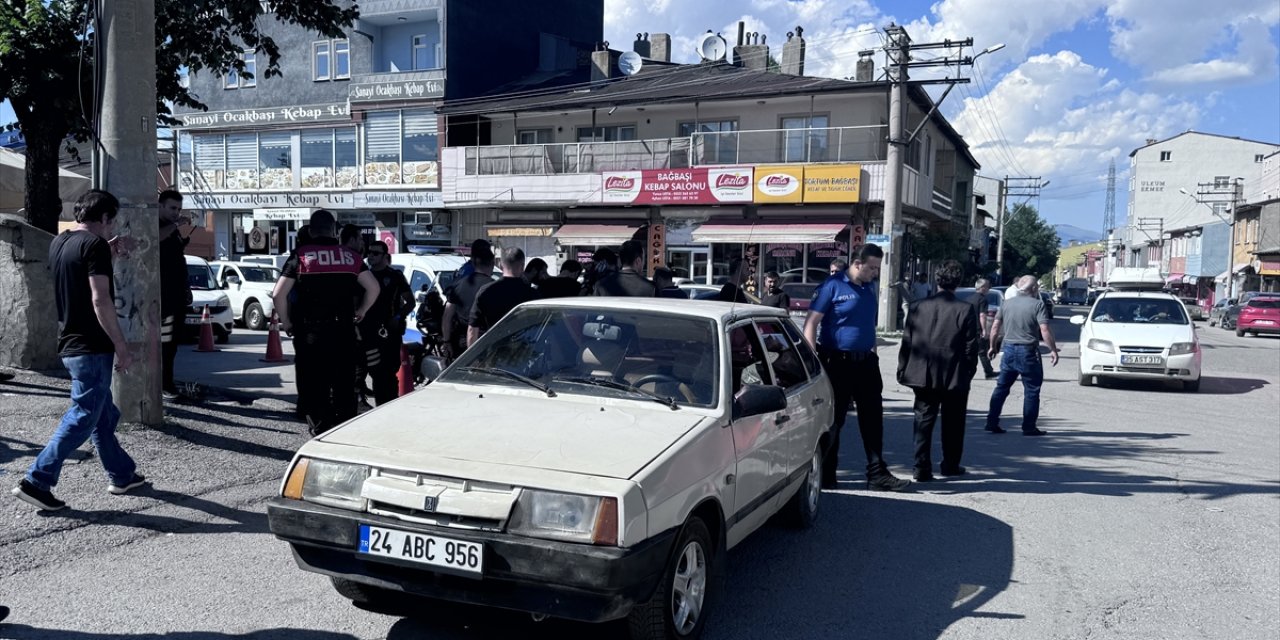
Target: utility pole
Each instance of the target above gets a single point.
(128, 139)
(1019, 187)
(1000, 214)
(1211, 193)
(898, 50)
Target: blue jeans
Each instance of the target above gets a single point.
(1024, 360)
(92, 415)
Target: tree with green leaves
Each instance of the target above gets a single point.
(47, 71)
(1030, 243)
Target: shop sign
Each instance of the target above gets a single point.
(397, 199)
(678, 186)
(398, 90)
(657, 247)
(257, 239)
(832, 183)
(425, 231)
(302, 214)
(360, 219)
(315, 200)
(257, 117)
(1269, 268)
(779, 184)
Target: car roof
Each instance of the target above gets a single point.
(196, 260)
(710, 309)
(238, 263)
(1137, 295)
(438, 262)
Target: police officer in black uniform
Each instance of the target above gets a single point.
(322, 320)
(383, 328)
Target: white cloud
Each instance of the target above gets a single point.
(1023, 25)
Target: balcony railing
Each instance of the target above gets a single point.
(768, 146)
(941, 202)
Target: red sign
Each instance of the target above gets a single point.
(679, 186)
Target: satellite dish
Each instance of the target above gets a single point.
(712, 48)
(629, 63)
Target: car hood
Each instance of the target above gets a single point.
(1138, 334)
(488, 426)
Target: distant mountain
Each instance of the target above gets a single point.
(1068, 233)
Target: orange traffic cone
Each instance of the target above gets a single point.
(275, 353)
(206, 333)
(405, 375)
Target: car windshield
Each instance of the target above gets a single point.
(1139, 311)
(200, 277)
(594, 352)
(1265, 303)
(260, 274)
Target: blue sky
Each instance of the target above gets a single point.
(1080, 82)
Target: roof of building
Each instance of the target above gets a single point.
(674, 84)
(1201, 133)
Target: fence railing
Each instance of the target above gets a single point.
(577, 157)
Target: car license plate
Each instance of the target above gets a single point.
(1264, 322)
(1146, 361)
(444, 553)
(193, 320)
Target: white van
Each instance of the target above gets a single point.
(205, 292)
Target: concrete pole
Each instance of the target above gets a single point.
(889, 275)
(1000, 216)
(1236, 188)
(128, 116)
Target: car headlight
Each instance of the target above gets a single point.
(336, 484)
(1182, 348)
(566, 516)
(223, 301)
(1101, 345)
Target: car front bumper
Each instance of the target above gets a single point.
(1099, 363)
(565, 580)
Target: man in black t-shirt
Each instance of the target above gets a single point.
(497, 299)
(322, 319)
(89, 340)
(774, 296)
(565, 284)
(732, 290)
(382, 331)
(459, 300)
(175, 294)
(628, 280)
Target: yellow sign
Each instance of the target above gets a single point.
(832, 182)
(779, 184)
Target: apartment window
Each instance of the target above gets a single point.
(534, 136)
(616, 133)
(321, 61)
(1166, 156)
(805, 138)
(241, 80)
(422, 51)
(716, 142)
(1221, 182)
(1259, 157)
(341, 59)
(401, 148)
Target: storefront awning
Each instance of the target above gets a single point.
(1237, 268)
(595, 234)
(1173, 278)
(528, 231)
(767, 233)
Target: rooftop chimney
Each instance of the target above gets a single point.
(1152, 141)
(660, 47)
(793, 53)
(866, 67)
(641, 45)
(601, 62)
(751, 52)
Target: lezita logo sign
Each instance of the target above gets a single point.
(731, 185)
(622, 186)
(778, 184)
(617, 183)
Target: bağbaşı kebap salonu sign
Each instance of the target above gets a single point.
(337, 112)
(678, 186)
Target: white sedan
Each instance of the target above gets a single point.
(1139, 335)
(588, 458)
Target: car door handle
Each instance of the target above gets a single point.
(782, 419)
(817, 401)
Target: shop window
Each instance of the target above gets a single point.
(275, 160)
(382, 148)
(242, 161)
(616, 133)
(804, 138)
(346, 158)
(401, 148)
(210, 160)
(317, 159)
(714, 142)
(419, 148)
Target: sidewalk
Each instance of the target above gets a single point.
(237, 368)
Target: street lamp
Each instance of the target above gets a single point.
(991, 49)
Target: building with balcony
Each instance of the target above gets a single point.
(704, 162)
(351, 124)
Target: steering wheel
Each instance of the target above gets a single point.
(656, 377)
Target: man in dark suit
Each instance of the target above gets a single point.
(936, 359)
(986, 315)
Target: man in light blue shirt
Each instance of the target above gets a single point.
(841, 327)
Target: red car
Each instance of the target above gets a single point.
(1260, 314)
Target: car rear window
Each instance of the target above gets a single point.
(1265, 303)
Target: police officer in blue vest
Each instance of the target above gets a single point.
(322, 319)
(841, 327)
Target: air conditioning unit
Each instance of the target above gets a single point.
(424, 217)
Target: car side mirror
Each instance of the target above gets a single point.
(1077, 320)
(758, 399)
(232, 280)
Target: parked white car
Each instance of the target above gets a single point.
(248, 285)
(1138, 334)
(205, 292)
(664, 432)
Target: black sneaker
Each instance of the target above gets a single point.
(994, 429)
(887, 482)
(170, 395)
(37, 497)
(922, 475)
(1034, 432)
(953, 471)
(137, 481)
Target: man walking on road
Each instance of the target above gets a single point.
(175, 294)
(89, 339)
(322, 321)
(1024, 322)
(383, 328)
(841, 327)
(985, 316)
(936, 359)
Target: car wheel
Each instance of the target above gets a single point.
(1239, 332)
(1085, 380)
(369, 596)
(679, 609)
(802, 510)
(254, 318)
(1191, 386)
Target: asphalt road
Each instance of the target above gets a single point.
(1146, 513)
